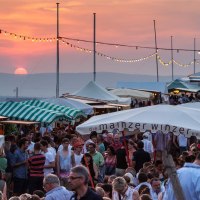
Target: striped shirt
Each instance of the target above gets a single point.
(36, 165)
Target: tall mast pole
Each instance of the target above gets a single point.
(156, 47)
(172, 58)
(194, 55)
(57, 60)
(94, 48)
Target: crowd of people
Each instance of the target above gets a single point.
(183, 98)
(58, 164)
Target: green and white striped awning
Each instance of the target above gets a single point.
(20, 111)
(71, 113)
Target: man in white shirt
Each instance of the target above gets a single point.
(30, 149)
(182, 142)
(76, 154)
(50, 159)
(148, 146)
(156, 188)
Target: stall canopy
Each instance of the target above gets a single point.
(87, 109)
(20, 111)
(183, 86)
(145, 86)
(123, 92)
(195, 77)
(165, 118)
(70, 113)
(95, 91)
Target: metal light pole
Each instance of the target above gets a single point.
(156, 50)
(194, 55)
(57, 63)
(94, 48)
(172, 58)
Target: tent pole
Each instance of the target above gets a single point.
(126, 148)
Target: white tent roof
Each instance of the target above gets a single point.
(95, 91)
(123, 92)
(72, 103)
(165, 118)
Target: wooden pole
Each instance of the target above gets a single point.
(126, 148)
(171, 171)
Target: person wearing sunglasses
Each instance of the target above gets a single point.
(78, 182)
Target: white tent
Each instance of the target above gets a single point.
(123, 92)
(193, 105)
(87, 109)
(165, 118)
(95, 91)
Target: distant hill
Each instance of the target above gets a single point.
(43, 85)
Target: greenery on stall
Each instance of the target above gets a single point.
(10, 128)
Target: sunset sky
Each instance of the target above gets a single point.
(117, 21)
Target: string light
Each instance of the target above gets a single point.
(33, 39)
(184, 65)
(162, 62)
(109, 57)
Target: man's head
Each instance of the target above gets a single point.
(23, 143)
(116, 138)
(65, 143)
(145, 135)
(140, 145)
(156, 185)
(50, 182)
(159, 165)
(120, 185)
(44, 145)
(78, 146)
(93, 136)
(92, 147)
(142, 177)
(111, 178)
(29, 136)
(37, 146)
(78, 177)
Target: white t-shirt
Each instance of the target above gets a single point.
(60, 148)
(52, 150)
(78, 158)
(148, 146)
(182, 141)
(30, 148)
(49, 159)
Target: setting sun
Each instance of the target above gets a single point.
(21, 70)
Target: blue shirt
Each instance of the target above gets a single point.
(21, 170)
(60, 193)
(189, 177)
